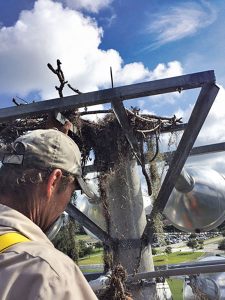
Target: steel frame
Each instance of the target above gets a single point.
(115, 96)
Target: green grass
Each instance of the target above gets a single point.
(176, 287)
(92, 259)
(176, 258)
(83, 237)
(87, 270)
(97, 251)
(173, 258)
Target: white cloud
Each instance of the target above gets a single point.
(184, 113)
(44, 34)
(171, 69)
(49, 32)
(89, 5)
(40, 36)
(137, 72)
(133, 72)
(181, 21)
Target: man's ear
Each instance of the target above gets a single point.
(53, 182)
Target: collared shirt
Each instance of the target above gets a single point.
(36, 270)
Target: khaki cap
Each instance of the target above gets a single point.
(49, 148)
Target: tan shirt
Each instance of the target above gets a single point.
(36, 270)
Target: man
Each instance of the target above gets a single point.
(37, 180)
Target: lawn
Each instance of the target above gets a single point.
(92, 259)
(176, 258)
(173, 258)
(83, 237)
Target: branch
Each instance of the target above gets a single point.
(15, 102)
(148, 118)
(149, 130)
(91, 112)
(73, 89)
(60, 76)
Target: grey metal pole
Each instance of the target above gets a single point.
(195, 270)
(127, 222)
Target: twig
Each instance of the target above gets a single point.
(147, 118)
(103, 111)
(73, 89)
(15, 102)
(144, 172)
(156, 150)
(22, 100)
(149, 130)
(60, 76)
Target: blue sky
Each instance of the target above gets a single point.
(142, 40)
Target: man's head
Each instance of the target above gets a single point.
(40, 175)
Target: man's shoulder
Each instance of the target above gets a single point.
(43, 253)
(44, 270)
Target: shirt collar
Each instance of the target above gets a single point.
(12, 220)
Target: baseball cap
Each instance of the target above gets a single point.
(49, 148)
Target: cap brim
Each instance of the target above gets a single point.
(84, 187)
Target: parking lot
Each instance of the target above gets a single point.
(178, 241)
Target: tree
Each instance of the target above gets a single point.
(221, 245)
(65, 240)
(193, 244)
(84, 248)
(201, 244)
(168, 250)
(154, 251)
(98, 244)
(192, 236)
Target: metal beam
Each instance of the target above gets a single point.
(194, 264)
(90, 225)
(200, 150)
(162, 86)
(213, 268)
(206, 149)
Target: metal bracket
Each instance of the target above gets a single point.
(62, 119)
